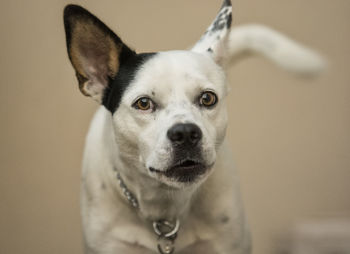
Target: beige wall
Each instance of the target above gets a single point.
(290, 137)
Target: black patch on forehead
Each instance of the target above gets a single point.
(126, 74)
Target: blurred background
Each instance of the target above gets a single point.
(290, 137)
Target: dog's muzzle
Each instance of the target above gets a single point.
(188, 162)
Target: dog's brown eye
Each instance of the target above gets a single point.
(208, 99)
(144, 103)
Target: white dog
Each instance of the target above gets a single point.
(157, 174)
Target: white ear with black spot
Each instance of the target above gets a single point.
(95, 52)
(214, 40)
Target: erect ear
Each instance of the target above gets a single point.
(95, 52)
(214, 40)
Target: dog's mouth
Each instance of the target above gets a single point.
(184, 171)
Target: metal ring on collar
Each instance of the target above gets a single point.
(175, 229)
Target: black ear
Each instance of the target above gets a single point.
(95, 52)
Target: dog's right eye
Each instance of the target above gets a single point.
(144, 104)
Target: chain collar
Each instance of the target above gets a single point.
(129, 196)
(164, 229)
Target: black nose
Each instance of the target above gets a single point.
(181, 134)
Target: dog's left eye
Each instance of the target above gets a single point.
(208, 99)
(144, 104)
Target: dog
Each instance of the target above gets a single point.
(157, 173)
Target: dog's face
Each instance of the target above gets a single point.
(168, 108)
(172, 116)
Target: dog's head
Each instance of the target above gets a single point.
(168, 108)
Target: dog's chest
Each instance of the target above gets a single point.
(119, 226)
(193, 238)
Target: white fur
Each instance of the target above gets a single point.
(285, 52)
(131, 141)
(111, 225)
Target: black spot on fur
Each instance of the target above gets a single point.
(222, 21)
(226, 3)
(224, 18)
(126, 74)
(229, 21)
